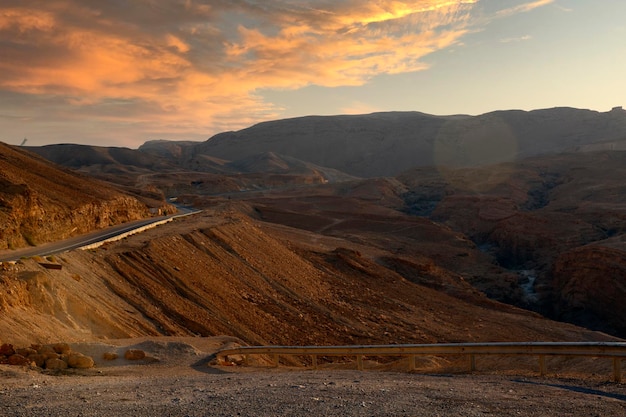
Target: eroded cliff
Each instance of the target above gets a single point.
(41, 202)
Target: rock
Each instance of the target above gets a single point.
(7, 349)
(109, 356)
(26, 352)
(38, 359)
(62, 348)
(3, 360)
(18, 360)
(134, 354)
(48, 352)
(55, 364)
(80, 361)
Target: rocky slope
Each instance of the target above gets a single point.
(40, 202)
(590, 285)
(221, 272)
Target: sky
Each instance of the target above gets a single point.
(122, 72)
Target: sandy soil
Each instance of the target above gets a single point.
(175, 380)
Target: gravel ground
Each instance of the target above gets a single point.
(161, 390)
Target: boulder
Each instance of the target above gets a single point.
(55, 364)
(80, 361)
(134, 354)
(38, 359)
(62, 348)
(25, 352)
(109, 356)
(6, 349)
(48, 352)
(18, 360)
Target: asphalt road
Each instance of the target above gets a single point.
(84, 240)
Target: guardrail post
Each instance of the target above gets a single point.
(314, 361)
(472, 362)
(246, 360)
(542, 365)
(275, 359)
(412, 364)
(359, 362)
(617, 369)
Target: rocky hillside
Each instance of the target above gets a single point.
(41, 202)
(590, 285)
(555, 221)
(224, 273)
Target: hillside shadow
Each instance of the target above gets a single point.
(580, 390)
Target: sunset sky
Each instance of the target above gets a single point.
(121, 72)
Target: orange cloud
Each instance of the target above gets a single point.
(186, 66)
(25, 20)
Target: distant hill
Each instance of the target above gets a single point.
(102, 160)
(385, 144)
(162, 168)
(40, 201)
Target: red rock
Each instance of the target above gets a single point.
(18, 360)
(7, 349)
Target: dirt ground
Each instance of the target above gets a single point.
(176, 380)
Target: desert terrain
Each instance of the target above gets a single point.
(375, 244)
(174, 379)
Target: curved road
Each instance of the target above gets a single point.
(85, 240)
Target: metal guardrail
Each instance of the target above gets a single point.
(613, 350)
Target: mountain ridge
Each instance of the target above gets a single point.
(387, 143)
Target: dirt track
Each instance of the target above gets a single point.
(177, 382)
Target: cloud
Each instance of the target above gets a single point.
(518, 39)
(523, 8)
(192, 67)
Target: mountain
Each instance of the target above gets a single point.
(385, 144)
(41, 202)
